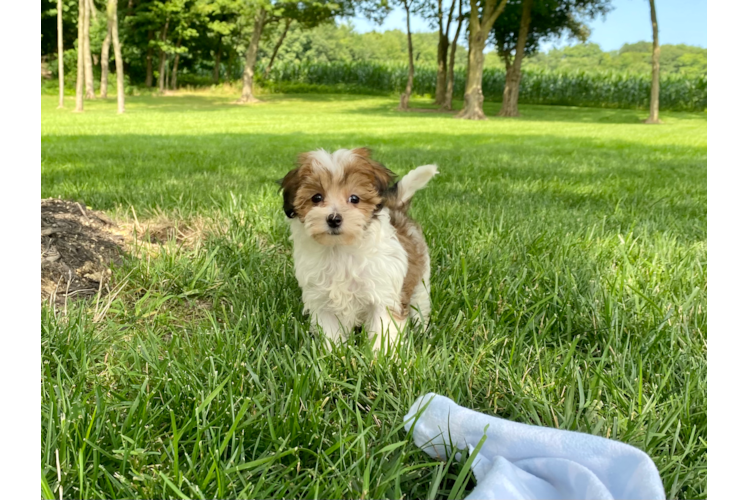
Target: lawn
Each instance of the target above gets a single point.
(568, 281)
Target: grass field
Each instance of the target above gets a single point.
(568, 282)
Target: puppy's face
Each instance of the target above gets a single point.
(335, 196)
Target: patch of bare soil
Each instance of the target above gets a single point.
(78, 245)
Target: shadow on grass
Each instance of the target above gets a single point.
(222, 102)
(530, 112)
(663, 184)
(421, 108)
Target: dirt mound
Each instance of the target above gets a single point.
(78, 246)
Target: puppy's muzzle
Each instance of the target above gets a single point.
(334, 220)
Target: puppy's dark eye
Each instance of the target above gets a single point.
(317, 198)
(353, 199)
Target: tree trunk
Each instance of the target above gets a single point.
(507, 58)
(217, 65)
(473, 107)
(114, 30)
(87, 63)
(176, 66)
(654, 102)
(447, 106)
(276, 48)
(405, 97)
(60, 60)
(441, 57)
(230, 65)
(510, 100)
(149, 62)
(79, 80)
(105, 59)
(162, 61)
(249, 64)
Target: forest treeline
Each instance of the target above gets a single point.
(170, 43)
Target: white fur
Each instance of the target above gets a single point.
(414, 180)
(420, 301)
(334, 162)
(344, 286)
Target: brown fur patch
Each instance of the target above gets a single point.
(411, 238)
(364, 152)
(382, 176)
(400, 316)
(290, 184)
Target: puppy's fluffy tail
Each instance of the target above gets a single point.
(407, 186)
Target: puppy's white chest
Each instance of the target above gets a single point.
(348, 281)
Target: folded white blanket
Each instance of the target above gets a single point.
(521, 461)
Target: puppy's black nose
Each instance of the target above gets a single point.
(334, 220)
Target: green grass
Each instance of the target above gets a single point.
(569, 288)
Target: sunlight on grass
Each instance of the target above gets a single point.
(569, 289)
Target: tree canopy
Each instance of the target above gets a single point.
(550, 19)
(214, 37)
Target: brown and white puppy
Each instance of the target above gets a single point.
(359, 259)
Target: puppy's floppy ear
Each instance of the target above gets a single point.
(362, 152)
(289, 184)
(383, 177)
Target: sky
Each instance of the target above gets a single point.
(680, 21)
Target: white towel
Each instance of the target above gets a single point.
(521, 461)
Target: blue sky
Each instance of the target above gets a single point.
(681, 21)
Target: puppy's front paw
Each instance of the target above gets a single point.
(385, 329)
(330, 328)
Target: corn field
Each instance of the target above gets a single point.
(570, 88)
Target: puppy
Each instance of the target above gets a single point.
(359, 259)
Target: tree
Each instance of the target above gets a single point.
(153, 18)
(510, 99)
(162, 58)
(217, 24)
(443, 25)
(113, 33)
(277, 47)
(482, 17)
(88, 11)
(217, 63)
(447, 105)
(308, 13)
(185, 18)
(60, 62)
(654, 102)
(175, 67)
(405, 97)
(306, 18)
(79, 80)
(248, 76)
(104, 84)
(49, 31)
(525, 24)
(149, 61)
